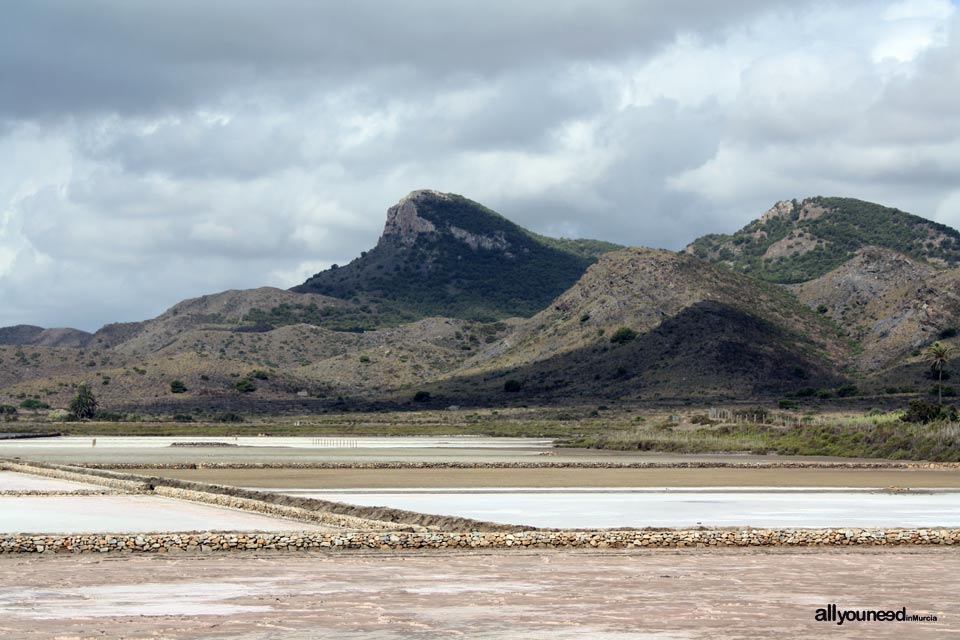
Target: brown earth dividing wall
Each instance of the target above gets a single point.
(884, 464)
(398, 541)
(282, 511)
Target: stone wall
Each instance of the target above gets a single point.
(402, 541)
(764, 464)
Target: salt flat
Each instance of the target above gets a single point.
(12, 481)
(627, 507)
(129, 514)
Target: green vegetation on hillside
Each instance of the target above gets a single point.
(510, 272)
(846, 226)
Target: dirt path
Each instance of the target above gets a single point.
(425, 478)
(666, 594)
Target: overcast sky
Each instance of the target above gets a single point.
(154, 151)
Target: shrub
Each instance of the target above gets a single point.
(182, 417)
(246, 386)
(921, 412)
(787, 404)
(949, 332)
(177, 386)
(59, 415)
(824, 394)
(8, 412)
(948, 392)
(32, 403)
(228, 417)
(512, 386)
(110, 416)
(847, 391)
(422, 396)
(623, 335)
(806, 392)
(259, 374)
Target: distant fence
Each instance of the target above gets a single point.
(754, 416)
(334, 443)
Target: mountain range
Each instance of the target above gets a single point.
(456, 301)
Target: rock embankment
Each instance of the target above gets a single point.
(403, 541)
(765, 464)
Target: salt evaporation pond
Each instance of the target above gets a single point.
(579, 508)
(129, 514)
(10, 447)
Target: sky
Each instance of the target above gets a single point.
(156, 151)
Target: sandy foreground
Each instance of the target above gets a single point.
(737, 593)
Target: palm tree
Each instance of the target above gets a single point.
(937, 355)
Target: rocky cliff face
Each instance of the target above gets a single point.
(404, 225)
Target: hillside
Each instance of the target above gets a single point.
(444, 255)
(797, 241)
(634, 325)
(889, 303)
(25, 334)
(686, 329)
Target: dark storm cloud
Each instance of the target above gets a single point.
(135, 56)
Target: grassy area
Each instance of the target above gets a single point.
(863, 436)
(547, 423)
(883, 436)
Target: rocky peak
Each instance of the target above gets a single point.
(403, 220)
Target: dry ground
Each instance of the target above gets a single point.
(557, 595)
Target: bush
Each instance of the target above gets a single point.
(110, 416)
(787, 404)
(623, 335)
(32, 403)
(512, 386)
(824, 394)
(259, 374)
(228, 417)
(948, 392)
(177, 386)
(182, 417)
(921, 412)
(246, 386)
(806, 392)
(847, 391)
(8, 412)
(59, 415)
(422, 396)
